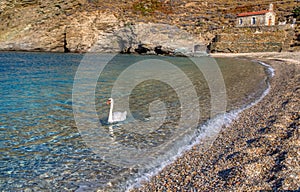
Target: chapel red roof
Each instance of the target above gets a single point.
(253, 13)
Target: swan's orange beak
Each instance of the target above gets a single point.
(108, 102)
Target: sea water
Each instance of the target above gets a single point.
(43, 148)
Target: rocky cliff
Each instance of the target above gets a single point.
(79, 25)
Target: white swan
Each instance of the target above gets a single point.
(116, 116)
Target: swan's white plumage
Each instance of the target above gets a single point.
(115, 116)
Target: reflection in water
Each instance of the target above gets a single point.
(111, 133)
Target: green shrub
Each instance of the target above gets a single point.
(296, 13)
(146, 7)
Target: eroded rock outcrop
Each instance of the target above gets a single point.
(113, 26)
(148, 36)
(90, 27)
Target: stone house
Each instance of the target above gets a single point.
(258, 18)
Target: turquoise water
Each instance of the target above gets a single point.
(41, 147)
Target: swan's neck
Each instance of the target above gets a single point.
(110, 116)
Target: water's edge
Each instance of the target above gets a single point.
(217, 122)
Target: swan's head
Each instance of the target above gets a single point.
(109, 101)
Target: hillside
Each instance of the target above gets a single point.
(75, 25)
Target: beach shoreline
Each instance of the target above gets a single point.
(260, 150)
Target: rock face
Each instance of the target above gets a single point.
(89, 28)
(111, 26)
(149, 35)
(94, 31)
(33, 25)
(54, 30)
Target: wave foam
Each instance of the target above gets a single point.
(215, 124)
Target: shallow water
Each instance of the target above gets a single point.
(42, 147)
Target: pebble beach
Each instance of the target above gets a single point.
(260, 150)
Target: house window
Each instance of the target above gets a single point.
(241, 21)
(253, 20)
